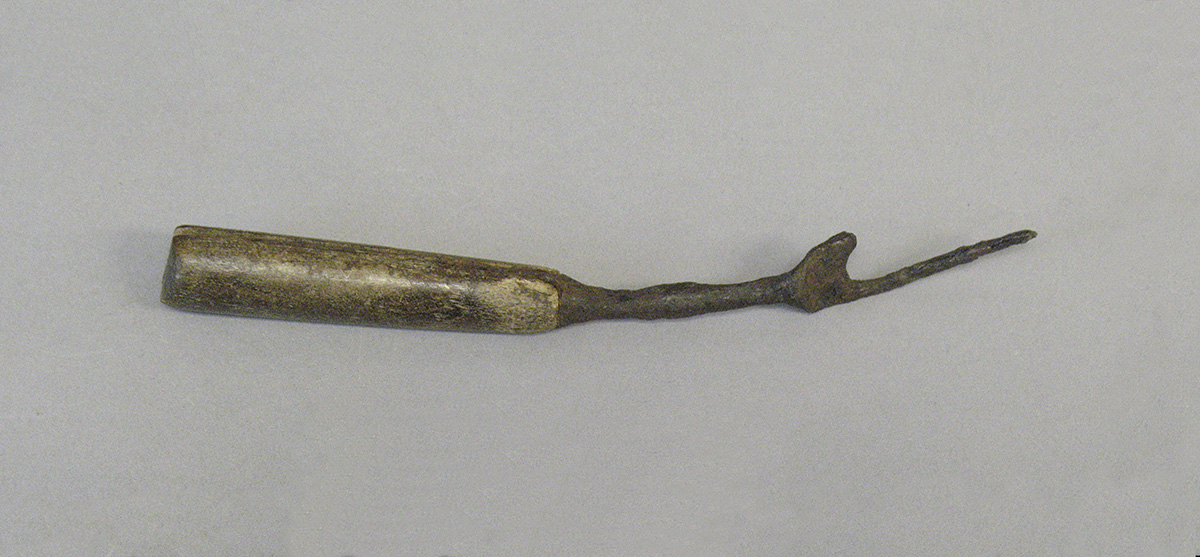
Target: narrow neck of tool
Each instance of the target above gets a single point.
(582, 302)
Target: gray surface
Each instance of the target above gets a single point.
(1040, 401)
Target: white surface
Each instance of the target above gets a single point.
(1039, 401)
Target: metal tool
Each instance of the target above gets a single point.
(216, 270)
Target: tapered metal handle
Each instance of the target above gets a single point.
(233, 272)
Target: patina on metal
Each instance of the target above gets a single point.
(216, 270)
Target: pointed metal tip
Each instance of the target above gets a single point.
(1022, 236)
(997, 244)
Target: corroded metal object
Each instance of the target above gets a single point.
(234, 272)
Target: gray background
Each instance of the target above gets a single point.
(1039, 401)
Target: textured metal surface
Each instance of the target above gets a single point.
(233, 272)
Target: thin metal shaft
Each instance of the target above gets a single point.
(965, 254)
(667, 301)
(819, 281)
